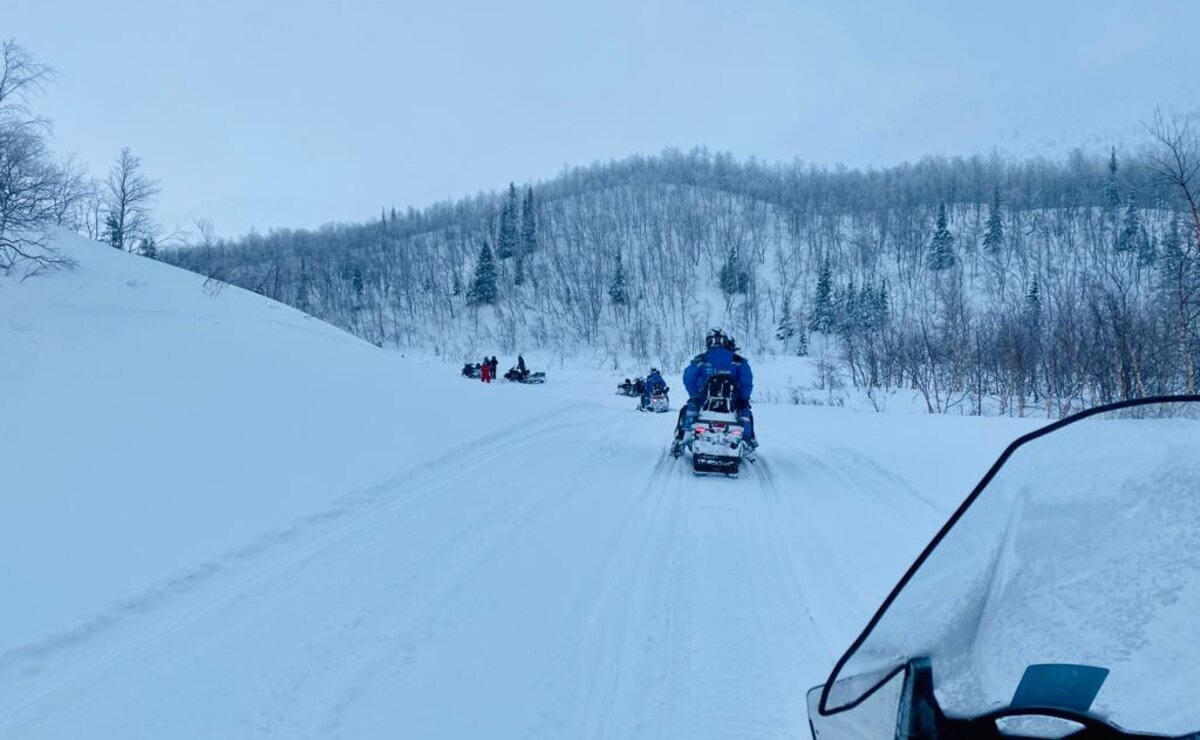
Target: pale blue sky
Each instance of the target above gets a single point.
(273, 114)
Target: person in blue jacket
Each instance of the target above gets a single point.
(720, 356)
(653, 385)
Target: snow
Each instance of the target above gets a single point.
(222, 518)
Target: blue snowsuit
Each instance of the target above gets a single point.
(654, 383)
(709, 363)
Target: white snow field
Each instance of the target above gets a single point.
(220, 518)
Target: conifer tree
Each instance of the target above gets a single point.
(618, 290)
(1147, 248)
(941, 248)
(506, 240)
(1131, 229)
(786, 329)
(528, 224)
(734, 278)
(802, 344)
(483, 284)
(821, 318)
(1112, 194)
(993, 237)
(1033, 307)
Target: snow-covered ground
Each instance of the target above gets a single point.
(222, 518)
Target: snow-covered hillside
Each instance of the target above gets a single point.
(222, 518)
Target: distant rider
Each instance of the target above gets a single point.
(654, 385)
(719, 357)
(485, 371)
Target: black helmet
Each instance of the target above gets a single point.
(716, 338)
(653, 370)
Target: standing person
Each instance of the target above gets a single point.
(485, 371)
(495, 364)
(718, 357)
(521, 369)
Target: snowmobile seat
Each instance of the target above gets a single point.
(720, 395)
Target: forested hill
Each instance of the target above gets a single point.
(986, 283)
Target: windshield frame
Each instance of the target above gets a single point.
(834, 675)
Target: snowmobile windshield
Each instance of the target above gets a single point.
(1079, 549)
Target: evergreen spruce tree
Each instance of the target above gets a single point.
(519, 272)
(941, 248)
(149, 248)
(1147, 248)
(786, 329)
(1112, 193)
(506, 240)
(821, 318)
(1131, 229)
(483, 284)
(993, 237)
(618, 290)
(883, 305)
(734, 277)
(528, 224)
(802, 345)
(1033, 306)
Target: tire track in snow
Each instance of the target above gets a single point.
(627, 626)
(40, 669)
(408, 624)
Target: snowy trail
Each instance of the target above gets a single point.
(567, 579)
(273, 529)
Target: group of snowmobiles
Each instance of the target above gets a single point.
(515, 374)
(715, 428)
(652, 392)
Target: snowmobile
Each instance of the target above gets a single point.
(656, 402)
(1061, 599)
(472, 370)
(632, 388)
(516, 375)
(714, 436)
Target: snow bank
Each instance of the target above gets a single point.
(149, 425)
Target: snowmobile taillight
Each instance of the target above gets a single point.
(699, 429)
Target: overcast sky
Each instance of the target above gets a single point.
(299, 112)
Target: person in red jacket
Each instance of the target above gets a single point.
(485, 372)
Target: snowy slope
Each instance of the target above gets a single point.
(221, 518)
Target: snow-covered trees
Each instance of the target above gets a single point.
(507, 243)
(821, 318)
(633, 259)
(734, 277)
(130, 196)
(35, 192)
(618, 288)
(941, 247)
(483, 284)
(993, 237)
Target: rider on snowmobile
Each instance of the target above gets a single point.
(719, 357)
(654, 385)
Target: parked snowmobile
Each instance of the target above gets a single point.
(714, 436)
(632, 388)
(515, 375)
(1061, 599)
(472, 370)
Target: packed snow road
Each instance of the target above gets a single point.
(564, 578)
